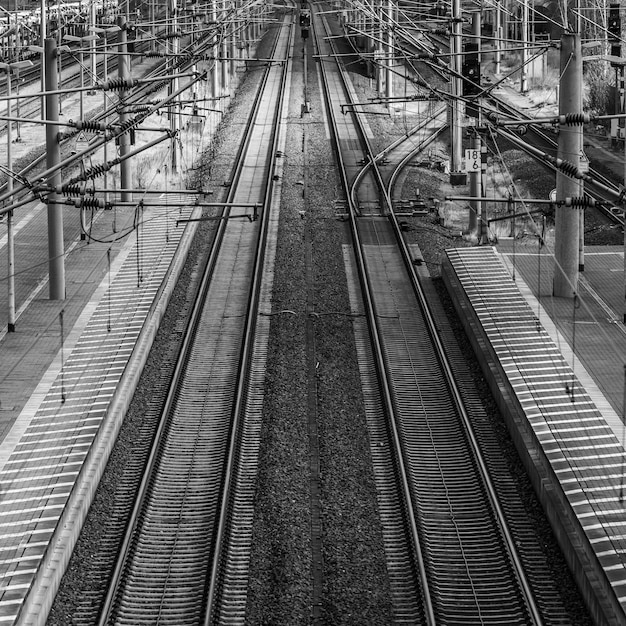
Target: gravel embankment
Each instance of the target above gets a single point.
(310, 278)
(310, 267)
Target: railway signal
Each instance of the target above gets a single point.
(305, 23)
(131, 35)
(615, 23)
(614, 28)
(471, 70)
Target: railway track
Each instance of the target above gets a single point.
(394, 309)
(184, 557)
(456, 559)
(28, 79)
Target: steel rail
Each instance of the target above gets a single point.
(420, 147)
(509, 540)
(243, 366)
(419, 291)
(387, 394)
(226, 512)
(386, 195)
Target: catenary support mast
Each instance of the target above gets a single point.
(566, 270)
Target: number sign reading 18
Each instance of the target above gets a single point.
(472, 160)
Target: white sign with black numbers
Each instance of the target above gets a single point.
(472, 160)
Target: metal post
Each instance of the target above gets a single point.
(525, 44)
(105, 73)
(457, 90)
(175, 105)
(215, 71)
(565, 282)
(81, 96)
(92, 46)
(232, 51)
(153, 26)
(124, 139)
(475, 190)
(389, 55)
(60, 56)
(224, 51)
(378, 51)
(498, 37)
(10, 228)
(56, 252)
(18, 137)
(42, 34)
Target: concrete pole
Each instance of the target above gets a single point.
(175, 105)
(81, 95)
(565, 282)
(56, 252)
(475, 190)
(123, 71)
(224, 51)
(497, 32)
(92, 47)
(153, 26)
(475, 176)
(105, 73)
(18, 137)
(42, 35)
(525, 44)
(233, 42)
(457, 90)
(389, 55)
(215, 71)
(10, 226)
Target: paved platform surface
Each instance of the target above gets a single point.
(41, 322)
(67, 372)
(588, 330)
(46, 330)
(567, 434)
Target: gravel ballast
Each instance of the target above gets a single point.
(313, 393)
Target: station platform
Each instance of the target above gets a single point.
(556, 367)
(69, 368)
(67, 372)
(590, 331)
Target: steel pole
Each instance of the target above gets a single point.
(525, 43)
(123, 65)
(224, 51)
(56, 252)
(10, 226)
(105, 75)
(42, 35)
(175, 109)
(389, 60)
(92, 45)
(567, 223)
(475, 176)
(457, 90)
(498, 37)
